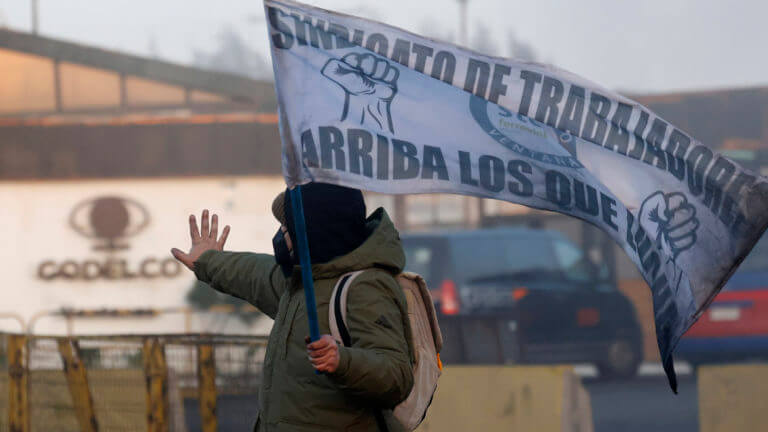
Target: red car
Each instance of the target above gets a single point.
(735, 327)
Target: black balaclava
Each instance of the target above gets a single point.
(335, 220)
(283, 255)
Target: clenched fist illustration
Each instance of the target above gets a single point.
(672, 219)
(370, 84)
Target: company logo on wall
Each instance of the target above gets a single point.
(109, 221)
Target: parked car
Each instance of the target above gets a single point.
(735, 327)
(519, 295)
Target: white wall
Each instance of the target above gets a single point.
(34, 227)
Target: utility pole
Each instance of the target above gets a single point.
(33, 15)
(480, 204)
(463, 37)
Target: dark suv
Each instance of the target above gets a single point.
(518, 295)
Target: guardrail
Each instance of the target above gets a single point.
(70, 315)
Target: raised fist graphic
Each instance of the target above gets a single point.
(370, 83)
(672, 219)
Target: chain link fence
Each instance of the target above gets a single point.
(129, 383)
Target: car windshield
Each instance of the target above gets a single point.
(495, 258)
(529, 260)
(525, 258)
(418, 260)
(422, 256)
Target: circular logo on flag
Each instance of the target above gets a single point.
(525, 136)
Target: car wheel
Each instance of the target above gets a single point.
(622, 360)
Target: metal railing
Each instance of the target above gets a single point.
(16, 317)
(70, 315)
(130, 382)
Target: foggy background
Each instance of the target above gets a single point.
(636, 47)
(84, 128)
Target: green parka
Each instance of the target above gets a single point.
(375, 373)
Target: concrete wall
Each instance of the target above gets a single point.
(482, 398)
(733, 398)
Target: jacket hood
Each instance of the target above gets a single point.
(382, 249)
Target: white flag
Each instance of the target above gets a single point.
(373, 107)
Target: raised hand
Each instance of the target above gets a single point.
(370, 83)
(671, 219)
(202, 240)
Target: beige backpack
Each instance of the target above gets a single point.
(427, 341)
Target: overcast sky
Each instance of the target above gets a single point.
(639, 46)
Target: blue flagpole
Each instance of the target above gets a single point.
(302, 247)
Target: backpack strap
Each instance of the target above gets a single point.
(337, 312)
(338, 308)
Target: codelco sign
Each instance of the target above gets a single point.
(109, 221)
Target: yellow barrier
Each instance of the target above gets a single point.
(77, 379)
(156, 370)
(491, 398)
(206, 375)
(733, 398)
(18, 373)
(136, 382)
(127, 382)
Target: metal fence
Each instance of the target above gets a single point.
(129, 383)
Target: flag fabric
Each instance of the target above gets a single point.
(366, 105)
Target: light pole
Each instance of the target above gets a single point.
(463, 38)
(464, 41)
(33, 15)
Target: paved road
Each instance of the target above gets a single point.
(644, 404)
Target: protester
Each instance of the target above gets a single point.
(357, 385)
